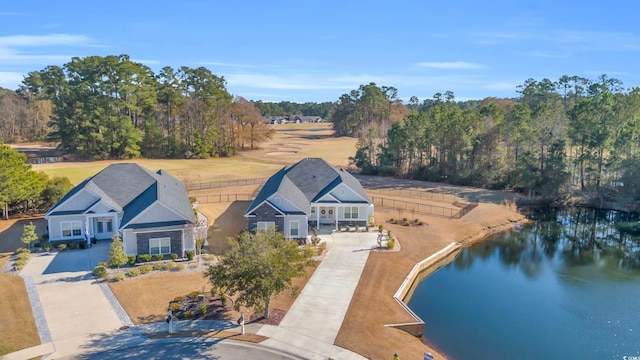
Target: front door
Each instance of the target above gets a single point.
(326, 215)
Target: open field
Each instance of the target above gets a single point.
(291, 143)
(372, 306)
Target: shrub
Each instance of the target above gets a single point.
(203, 251)
(190, 255)
(357, 228)
(178, 298)
(62, 247)
(416, 220)
(134, 272)
(82, 245)
(146, 268)
(144, 257)
(193, 266)
(99, 270)
(174, 256)
(158, 266)
(131, 260)
(404, 219)
(118, 277)
(223, 298)
(321, 248)
(193, 294)
(188, 314)
(159, 257)
(104, 264)
(22, 250)
(371, 221)
(347, 229)
(20, 264)
(179, 267)
(202, 308)
(391, 241)
(381, 227)
(72, 245)
(175, 307)
(23, 256)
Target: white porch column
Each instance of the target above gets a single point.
(335, 215)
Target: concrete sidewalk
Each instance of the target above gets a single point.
(311, 325)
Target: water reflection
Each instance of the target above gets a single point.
(564, 286)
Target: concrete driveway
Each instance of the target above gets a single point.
(73, 307)
(312, 323)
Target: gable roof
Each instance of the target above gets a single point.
(306, 182)
(132, 188)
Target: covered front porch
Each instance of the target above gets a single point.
(334, 216)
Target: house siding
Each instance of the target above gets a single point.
(266, 213)
(174, 235)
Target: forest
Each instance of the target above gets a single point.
(572, 140)
(112, 108)
(557, 140)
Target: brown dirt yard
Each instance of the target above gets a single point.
(17, 326)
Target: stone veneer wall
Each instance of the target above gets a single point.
(142, 240)
(268, 214)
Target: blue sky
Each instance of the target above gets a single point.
(317, 50)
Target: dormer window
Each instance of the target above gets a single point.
(342, 191)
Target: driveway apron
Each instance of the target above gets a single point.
(74, 305)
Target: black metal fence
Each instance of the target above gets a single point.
(414, 194)
(226, 183)
(418, 208)
(223, 198)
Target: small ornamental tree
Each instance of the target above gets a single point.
(256, 267)
(117, 256)
(29, 235)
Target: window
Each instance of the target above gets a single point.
(265, 225)
(293, 228)
(160, 246)
(313, 209)
(351, 212)
(71, 228)
(100, 225)
(109, 225)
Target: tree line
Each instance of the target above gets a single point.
(112, 107)
(574, 133)
(23, 189)
(288, 108)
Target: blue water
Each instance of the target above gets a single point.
(565, 287)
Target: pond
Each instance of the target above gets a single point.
(566, 286)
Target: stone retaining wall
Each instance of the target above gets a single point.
(420, 271)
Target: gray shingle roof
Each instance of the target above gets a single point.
(132, 188)
(306, 182)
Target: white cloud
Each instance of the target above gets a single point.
(451, 65)
(10, 80)
(44, 40)
(9, 56)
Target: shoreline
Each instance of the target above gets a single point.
(374, 307)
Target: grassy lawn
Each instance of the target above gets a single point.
(17, 326)
(290, 144)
